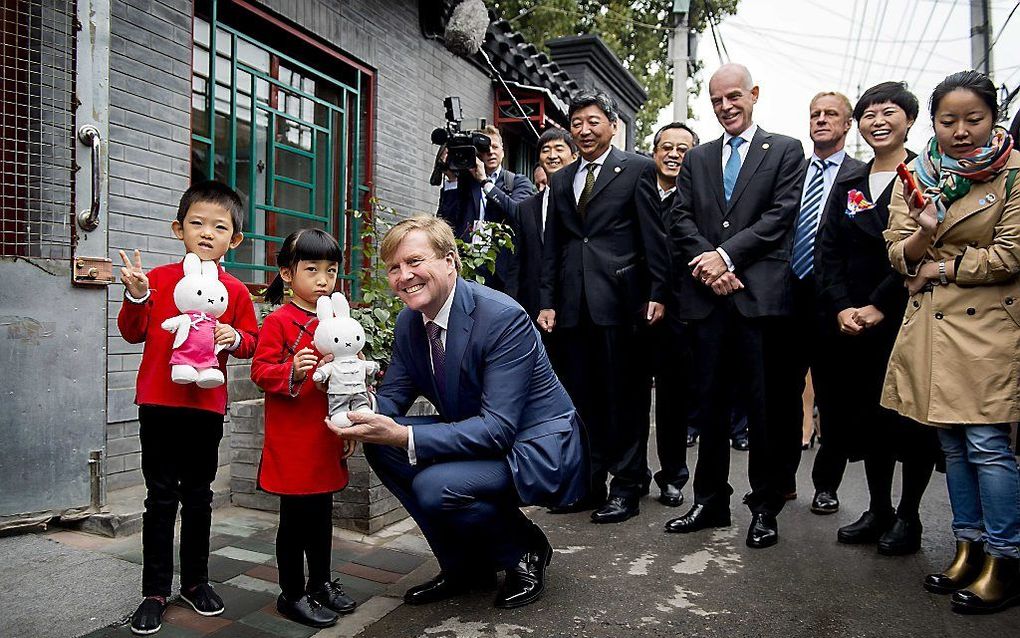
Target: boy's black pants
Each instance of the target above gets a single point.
(179, 460)
(306, 529)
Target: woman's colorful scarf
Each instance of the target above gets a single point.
(946, 179)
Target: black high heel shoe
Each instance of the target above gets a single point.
(810, 444)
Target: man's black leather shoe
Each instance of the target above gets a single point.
(525, 581)
(671, 496)
(698, 518)
(443, 586)
(332, 595)
(825, 502)
(692, 439)
(616, 510)
(763, 532)
(867, 529)
(306, 611)
(586, 504)
(741, 443)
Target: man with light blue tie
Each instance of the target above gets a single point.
(808, 329)
(732, 225)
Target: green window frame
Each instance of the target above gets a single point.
(293, 141)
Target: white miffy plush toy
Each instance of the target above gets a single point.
(202, 299)
(342, 336)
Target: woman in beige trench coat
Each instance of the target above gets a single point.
(956, 362)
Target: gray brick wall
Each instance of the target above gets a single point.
(150, 132)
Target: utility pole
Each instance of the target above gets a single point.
(981, 36)
(678, 49)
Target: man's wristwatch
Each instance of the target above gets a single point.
(943, 279)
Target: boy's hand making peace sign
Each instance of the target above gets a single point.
(132, 275)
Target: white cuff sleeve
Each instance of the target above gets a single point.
(487, 187)
(411, 458)
(449, 184)
(142, 299)
(726, 258)
(237, 342)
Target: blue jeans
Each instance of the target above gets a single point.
(984, 487)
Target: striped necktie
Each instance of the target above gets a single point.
(807, 223)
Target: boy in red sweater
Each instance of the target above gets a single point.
(181, 425)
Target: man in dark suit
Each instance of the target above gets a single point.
(507, 434)
(485, 194)
(606, 266)
(556, 150)
(804, 333)
(732, 227)
(670, 359)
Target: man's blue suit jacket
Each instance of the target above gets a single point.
(502, 399)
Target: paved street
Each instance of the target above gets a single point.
(632, 579)
(620, 580)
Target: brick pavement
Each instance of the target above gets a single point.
(374, 570)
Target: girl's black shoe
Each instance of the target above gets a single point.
(331, 594)
(306, 611)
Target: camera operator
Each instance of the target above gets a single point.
(487, 193)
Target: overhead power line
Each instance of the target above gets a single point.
(905, 21)
(927, 23)
(880, 18)
(932, 50)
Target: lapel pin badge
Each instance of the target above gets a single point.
(617, 169)
(765, 146)
(982, 201)
(990, 197)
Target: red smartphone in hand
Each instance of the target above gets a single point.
(911, 185)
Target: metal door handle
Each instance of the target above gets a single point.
(88, 218)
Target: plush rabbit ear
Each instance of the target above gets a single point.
(209, 270)
(340, 305)
(192, 265)
(323, 309)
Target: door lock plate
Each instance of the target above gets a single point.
(92, 271)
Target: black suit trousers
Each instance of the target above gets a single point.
(599, 368)
(735, 360)
(806, 340)
(664, 345)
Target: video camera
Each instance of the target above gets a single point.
(462, 147)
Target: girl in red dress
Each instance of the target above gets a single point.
(302, 461)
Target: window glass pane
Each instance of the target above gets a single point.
(292, 197)
(224, 43)
(251, 150)
(201, 32)
(293, 165)
(253, 56)
(199, 116)
(285, 224)
(199, 161)
(293, 133)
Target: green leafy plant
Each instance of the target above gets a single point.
(378, 307)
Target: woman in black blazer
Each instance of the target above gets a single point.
(865, 298)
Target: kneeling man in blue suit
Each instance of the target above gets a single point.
(507, 434)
